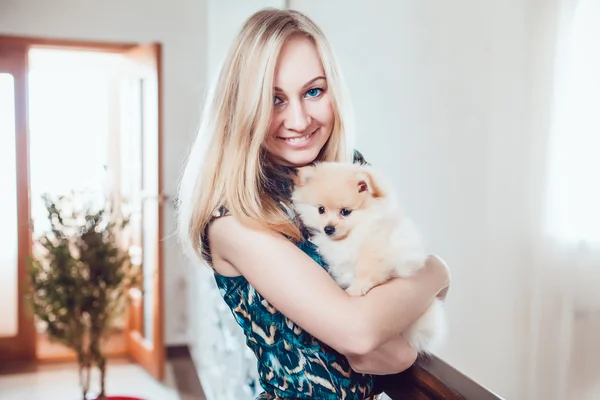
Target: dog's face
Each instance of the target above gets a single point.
(333, 198)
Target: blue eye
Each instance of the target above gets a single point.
(314, 92)
(275, 100)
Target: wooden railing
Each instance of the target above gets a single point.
(427, 379)
(433, 379)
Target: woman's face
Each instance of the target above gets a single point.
(302, 115)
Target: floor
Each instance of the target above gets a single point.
(51, 351)
(61, 381)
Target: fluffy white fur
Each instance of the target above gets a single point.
(369, 245)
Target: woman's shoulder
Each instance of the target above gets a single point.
(221, 211)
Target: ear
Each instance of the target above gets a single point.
(304, 175)
(362, 186)
(368, 183)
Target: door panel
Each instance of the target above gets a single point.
(17, 331)
(9, 265)
(141, 187)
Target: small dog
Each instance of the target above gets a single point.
(363, 236)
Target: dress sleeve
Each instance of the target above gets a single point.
(220, 212)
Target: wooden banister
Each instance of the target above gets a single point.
(432, 379)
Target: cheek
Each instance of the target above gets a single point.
(322, 111)
(275, 122)
(309, 215)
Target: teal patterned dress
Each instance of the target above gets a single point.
(291, 363)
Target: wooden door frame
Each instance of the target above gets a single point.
(147, 354)
(25, 43)
(20, 346)
(68, 44)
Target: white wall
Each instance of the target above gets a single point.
(181, 27)
(439, 90)
(225, 18)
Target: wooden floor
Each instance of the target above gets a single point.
(185, 374)
(49, 351)
(57, 379)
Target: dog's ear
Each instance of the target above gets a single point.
(368, 183)
(304, 175)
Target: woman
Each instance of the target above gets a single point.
(279, 103)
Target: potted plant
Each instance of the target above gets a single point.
(80, 274)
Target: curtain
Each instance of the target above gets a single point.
(565, 193)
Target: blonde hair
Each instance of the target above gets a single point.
(226, 164)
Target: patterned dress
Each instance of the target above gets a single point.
(291, 363)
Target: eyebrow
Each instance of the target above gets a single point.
(277, 89)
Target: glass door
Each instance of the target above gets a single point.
(17, 332)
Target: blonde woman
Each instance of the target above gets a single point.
(279, 103)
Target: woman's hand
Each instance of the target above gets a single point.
(405, 299)
(392, 357)
(445, 271)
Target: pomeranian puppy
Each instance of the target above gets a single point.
(361, 233)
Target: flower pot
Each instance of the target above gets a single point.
(122, 398)
(118, 398)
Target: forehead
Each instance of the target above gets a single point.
(298, 63)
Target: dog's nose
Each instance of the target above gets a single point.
(329, 230)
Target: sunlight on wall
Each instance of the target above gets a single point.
(8, 208)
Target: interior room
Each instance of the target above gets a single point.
(483, 114)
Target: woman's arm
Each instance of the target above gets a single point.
(392, 357)
(303, 291)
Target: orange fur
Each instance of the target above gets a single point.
(362, 234)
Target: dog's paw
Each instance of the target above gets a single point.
(354, 291)
(359, 288)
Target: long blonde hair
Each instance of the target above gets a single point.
(225, 166)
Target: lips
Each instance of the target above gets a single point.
(298, 139)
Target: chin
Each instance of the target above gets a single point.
(296, 157)
(299, 158)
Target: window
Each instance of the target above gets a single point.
(574, 179)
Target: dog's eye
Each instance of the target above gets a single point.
(321, 210)
(345, 212)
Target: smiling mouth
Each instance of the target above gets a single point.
(300, 139)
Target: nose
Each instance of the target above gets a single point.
(297, 118)
(329, 230)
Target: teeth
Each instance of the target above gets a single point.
(298, 139)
